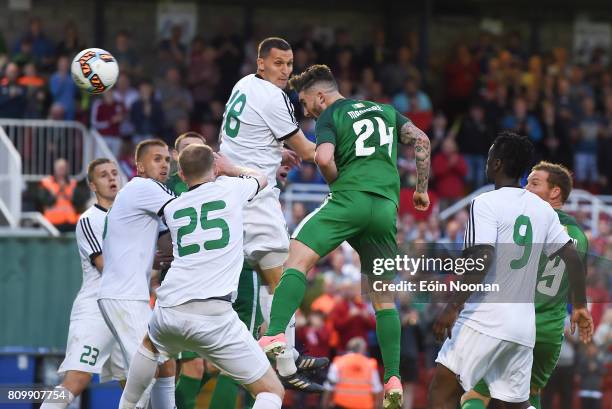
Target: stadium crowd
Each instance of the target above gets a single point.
(463, 100)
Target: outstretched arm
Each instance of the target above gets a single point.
(411, 135)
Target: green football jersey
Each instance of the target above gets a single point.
(552, 288)
(176, 184)
(365, 135)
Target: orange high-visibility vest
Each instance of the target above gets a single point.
(62, 212)
(354, 387)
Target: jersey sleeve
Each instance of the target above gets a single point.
(153, 196)
(89, 238)
(556, 236)
(248, 187)
(481, 226)
(279, 115)
(582, 243)
(400, 120)
(325, 129)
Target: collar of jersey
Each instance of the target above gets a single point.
(101, 208)
(194, 187)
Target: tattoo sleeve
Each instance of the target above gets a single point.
(411, 135)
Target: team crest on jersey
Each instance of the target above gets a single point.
(358, 105)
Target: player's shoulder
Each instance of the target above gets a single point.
(95, 212)
(140, 183)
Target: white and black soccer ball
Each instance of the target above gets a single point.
(95, 70)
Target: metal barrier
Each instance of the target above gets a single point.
(41, 142)
(11, 182)
(302, 192)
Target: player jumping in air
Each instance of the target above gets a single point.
(552, 183)
(258, 120)
(194, 304)
(357, 154)
(494, 333)
(131, 232)
(91, 347)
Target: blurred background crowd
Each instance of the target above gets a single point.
(461, 99)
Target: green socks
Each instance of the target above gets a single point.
(388, 332)
(535, 401)
(225, 394)
(287, 299)
(473, 404)
(186, 393)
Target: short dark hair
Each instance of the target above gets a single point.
(190, 134)
(267, 44)
(558, 175)
(515, 151)
(91, 168)
(196, 160)
(142, 147)
(314, 74)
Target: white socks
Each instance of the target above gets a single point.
(267, 400)
(140, 375)
(59, 405)
(162, 393)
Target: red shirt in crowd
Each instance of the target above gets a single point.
(449, 172)
(351, 319)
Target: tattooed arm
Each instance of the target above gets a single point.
(411, 135)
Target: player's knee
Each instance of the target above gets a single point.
(472, 394)
(272, 259)
(167, 369)
(194, 368)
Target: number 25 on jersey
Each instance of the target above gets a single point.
(205, 224)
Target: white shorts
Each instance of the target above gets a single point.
(505, 366)
(265, 228)
(127, 320)
(92, 348)
(221, 338)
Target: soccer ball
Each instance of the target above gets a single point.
(95, 70)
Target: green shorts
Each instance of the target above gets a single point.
(366, 220)
(545, 357)
(246, 305)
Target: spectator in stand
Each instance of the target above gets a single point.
(13, 96)
(310, 44)
(589, 128)
(555, 146)
(567, 106)
(474, 139)
(127, 57)
(345, 66)
(3, 49)
(126, 158)
(203, 77)
(57, 197)
(36, 94)
(307, 173)
(521, 122)
(414, 103)
(126, 95)
(351, 317)
(298, 212)
(25, 54)
(462, 73)
(229, 56)
(368, 77)
(174, 47)
(71, 44)
(591, 371)
(378, 53)
(449, 170)
(353, 380)
(325, 302)
(56, 112)
(147, 114)
(176, 100)
(395, 75)
(377, 94)
(604, 150)
(62, 87)
(106, 117)
(315, 336)
(42, 48)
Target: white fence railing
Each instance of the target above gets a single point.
(11, 182)
(41, 142)
(302, 192)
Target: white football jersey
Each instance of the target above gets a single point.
(257, 118)
(131, 232)
(89, 242)
(521, 226)
(207, 235)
